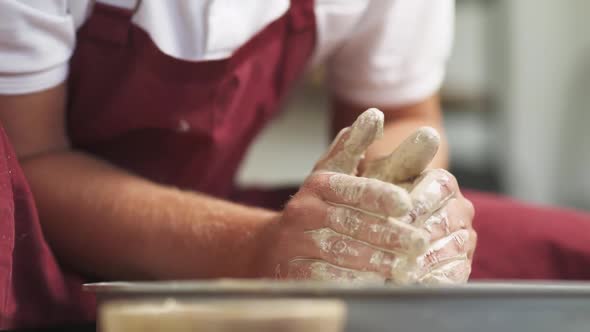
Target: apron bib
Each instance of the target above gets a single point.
(181, 123)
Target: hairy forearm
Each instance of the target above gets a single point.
(106, 222)
(400, 122)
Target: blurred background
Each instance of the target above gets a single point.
(516, 102)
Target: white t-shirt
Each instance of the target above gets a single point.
(377, 52)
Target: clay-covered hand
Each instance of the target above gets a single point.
(341, 227)
(438, 207)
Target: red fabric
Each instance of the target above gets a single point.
(521, 241)
(33, 289)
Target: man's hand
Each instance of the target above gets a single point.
(437, 207)
(342, 227)
(441, 210)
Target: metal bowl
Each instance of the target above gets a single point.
(481, 307)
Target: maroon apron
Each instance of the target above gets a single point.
(177, 122)
(522, 241)
(188, 124)
(34, 291)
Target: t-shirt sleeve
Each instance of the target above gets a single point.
(37, 38)
(395, 55)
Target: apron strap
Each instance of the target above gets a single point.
(301, 14)
(111, 23)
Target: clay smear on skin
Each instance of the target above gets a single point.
(350, 189)
(451, 273)
(401, 267)
(370, 193)
(440, 219)
(332, 243)
(445, 270)
(390, 233)
(429, 195)
(323, 271)
(397, 265)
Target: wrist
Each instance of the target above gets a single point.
(204, 237)
(263, 246)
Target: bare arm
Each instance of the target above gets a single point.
(107, 222)
(400, 122)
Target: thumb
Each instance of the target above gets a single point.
(410, 158)
(348, 148)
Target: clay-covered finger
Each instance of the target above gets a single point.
(349, 146)
(455, 272)
(456, 214)
(315, 269)
(455, 247)
(383, 232)
(408, 160)
(430, 192)
(369, 195)
(388, 233)
(346, 252)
